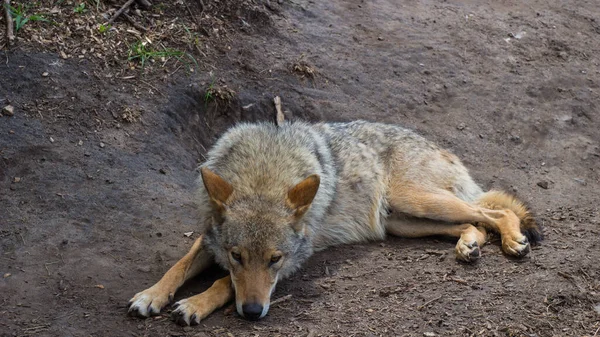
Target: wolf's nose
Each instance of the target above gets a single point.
(252, 311)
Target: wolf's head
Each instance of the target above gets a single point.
(258, 238)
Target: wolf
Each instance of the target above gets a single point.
(270, 196)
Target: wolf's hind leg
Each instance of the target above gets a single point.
(467, 247)
(191, 310)
(152, 300)
(445, 206)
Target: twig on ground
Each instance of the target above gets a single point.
(457, 280)
(281, 299)
(280, 118)
(424, 305)
(203, 7)
(135, 24)
(10, 35)
(48, 264)
(565, 275)
(153, 87)
(119, 12)
(192, 14)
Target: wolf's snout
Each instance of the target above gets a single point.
(252, 311)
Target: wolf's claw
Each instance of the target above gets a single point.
(518, 248)
(149, 302)
(467, 251)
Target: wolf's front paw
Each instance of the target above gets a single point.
(517, 247)
(149, 302)
(191, 310)
(467, 251)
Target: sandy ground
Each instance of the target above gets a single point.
(93, 208)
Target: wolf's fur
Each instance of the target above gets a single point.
(274, 195)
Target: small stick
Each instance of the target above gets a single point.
(135, 24)
(10, 36)
(565, 275)
(281, 299)
(119, 12)
(203, 7)
(192, 15)
(280, 116)
(428, 303)
(153, 87)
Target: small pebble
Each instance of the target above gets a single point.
(45, 74)
(102, 145)
(8, 110)
(16, 179)
(543, 184)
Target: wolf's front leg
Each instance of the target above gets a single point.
(152, 300)
(191, 310)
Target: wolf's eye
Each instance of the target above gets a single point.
(275, 259)
(236, 256)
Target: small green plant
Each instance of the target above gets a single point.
(143, 51)
(21, 18)
(209, 94)
(80, 9)
(217, 93)
(103, 28)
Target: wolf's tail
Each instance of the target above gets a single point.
(501, 200)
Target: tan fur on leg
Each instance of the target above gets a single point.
(152, 300)
(191, 310)
(468, 246)
(443, 205)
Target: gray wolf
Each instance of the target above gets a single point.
(271, 196)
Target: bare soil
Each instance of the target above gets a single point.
(97, 165)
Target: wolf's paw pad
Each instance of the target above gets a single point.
(517, 248)
(187, 312)
(468, 251)
(149, 302)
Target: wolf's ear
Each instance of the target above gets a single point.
(218, 189)
(301, 196)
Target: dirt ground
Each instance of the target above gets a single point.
(98, 163)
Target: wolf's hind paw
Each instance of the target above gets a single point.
(518, 248)
(149, 302)
(467, 251)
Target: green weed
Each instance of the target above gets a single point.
(20, 17)
(80, 9)
(209, 94)
(143, 52)
(103, 28)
